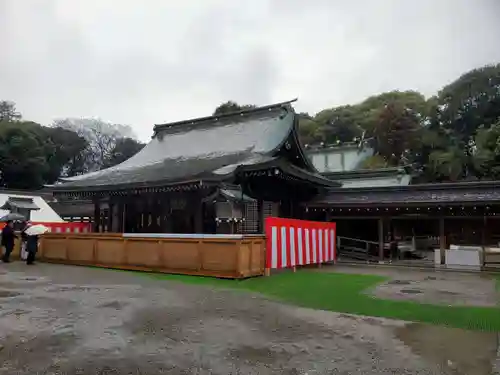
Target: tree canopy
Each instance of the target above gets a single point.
(230, 106)
(32, 155)
(452, 136)
(8, 111)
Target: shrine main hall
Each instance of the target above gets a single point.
(227, 173)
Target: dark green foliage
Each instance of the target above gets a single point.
(486, 155)
(65, 154)
(230, 107)
(340, 124)
(23, 155)
(449, 137)
(473, 100)
(396, 131)
(32, 155)
(124, 149)
(8, 111)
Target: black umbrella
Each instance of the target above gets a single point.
(12, 217)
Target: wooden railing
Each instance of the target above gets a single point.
(216, 255)
(491, 258)
(357, 249)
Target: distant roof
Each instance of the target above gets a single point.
(371, 178)
(204, 149)
(367, 173)
(19, 202)
(236, 194)
(339, 146)
(429, 194)
(45, 214)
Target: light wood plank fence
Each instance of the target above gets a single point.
(219, 256)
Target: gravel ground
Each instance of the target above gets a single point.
(74, 320)
(428, 286)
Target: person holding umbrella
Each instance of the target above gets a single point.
(8, 238)
(31, 248)
(31, 234)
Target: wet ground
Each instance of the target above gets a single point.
(74, 320)
(427, 286)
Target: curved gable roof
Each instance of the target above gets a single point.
(198, 149)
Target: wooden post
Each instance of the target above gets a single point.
(198, 218)
(167, 211)
(442, 240)
(121, 216)
(97, 215)
(109, 225)
(484, 239)
(116, 217)
(484, 235)
(260, 213)
(381, 239)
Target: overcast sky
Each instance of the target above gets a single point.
(146, 62)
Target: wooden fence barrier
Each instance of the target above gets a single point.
(205, 255)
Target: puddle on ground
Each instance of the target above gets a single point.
(7, 294)
(74, 288)
(114, 305)
(454, 350)
(264, 355)
(399, 282)
(411, 291)
(447, 293)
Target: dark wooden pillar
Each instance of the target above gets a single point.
(196, 209)
(109, 225)
(141, 209)
(381, 239)
(153, 214)
(286, 209)
(260, 217)
(442, 240)
(145, 213)
(121, 216)
(116, 219)
(167, 211)
(161, 213)
(484, 233)
(97, 215)
(102, 221)
(133, 213)
(200, 213)
(158, 213)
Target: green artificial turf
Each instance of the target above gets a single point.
(345, 293)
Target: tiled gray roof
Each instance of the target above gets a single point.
(19, 202)
(236, 194)
(432, 194)
(207, 148)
